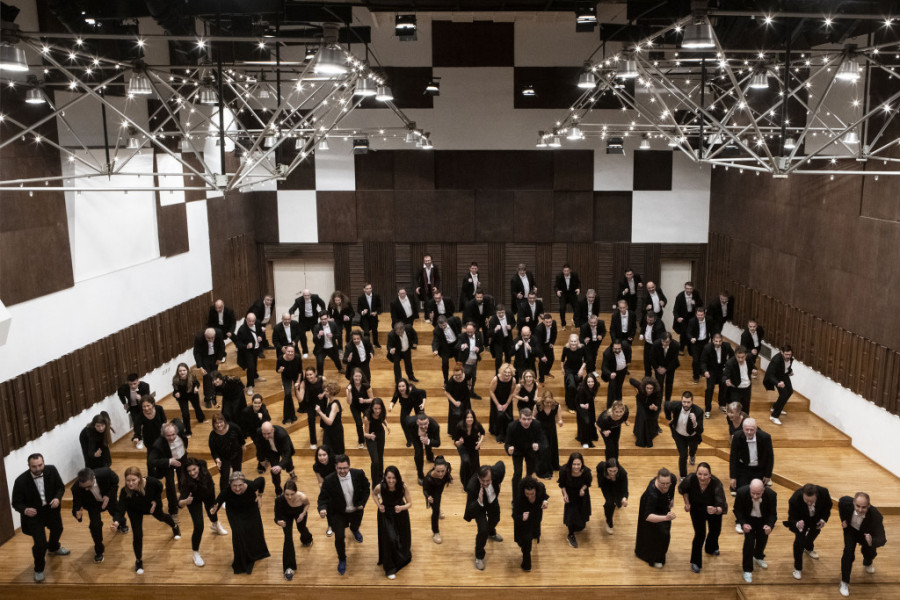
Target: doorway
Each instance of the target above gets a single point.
(291, 277)
(673, 274)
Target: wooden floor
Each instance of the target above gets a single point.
(806, 449)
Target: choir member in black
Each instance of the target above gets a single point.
(226, 445)
(698, 332)
(249, 340)
(568, 287)
(523, 441)
(651, 329)
(401, 341)
(655, 519)
(248, 541)
(358, 353)
(130, 395)
(483, 506)
(704, 500)
(546, 334)
(393, 500)
(198, 494)
(436, 480)
(712, 364)
(151, 420)
(209, 348)
(587, 306)
(592, 334)
(574, 481)
(290, 366)
(501, 338)
(656, 300)
(686, 303)
(586, 411)
(735, 418)
(622, 325)
(327, 343)
(612, 479)
(186, 390)
(646, 419)
(323, 466)
(359, 399)
(292, 507)
(375, 428)
(686, 425)
(437, 306)
(368, 305)
(778, 378)
(752, 339)
(756, 510)
(309, 306)
(341, 312)
(863, 525)
(332, 505)
(664, 362)
(232, 391)
(610, 424)
(166, 457)
(467, 438)
(411, 399)
(547, 414)
(274, 446)
(252, 419)
(752, 455)
(529, 504)
(141, 496)
(614, 369)
(443, 341)
(458, 397)
(287, 333)
(503, 389)
(94, 491)
(527, 352)
(425, 434)
(808, 510)
(737, 376)
(525, 397)
(330, 418)
(311, 394)
(479, 310)
(631, 284)
(94, 440)
(573, 368)
(468, 351)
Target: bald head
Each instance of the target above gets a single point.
(756, 489)
(210, 334)
(267, 430)
(749, 427)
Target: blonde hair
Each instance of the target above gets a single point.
(135, 471)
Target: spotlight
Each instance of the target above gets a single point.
(848, 71)
(34, 95)
(542, 140)
(139, 84)
(208, 95)
(554, 141)
(310, 53)
(330, 60)
(627, 70)
(269, 141)
(698, 36)
(790, 143)
(411, 134)
(645, 143)
(587, 80)
(434, 87)
(384, 93)
(585, 16)
(263, 93)
(528, 90)
(760, 80)
(361, 146)
(323, 145)
(405, 27)
(575, 133)
(12, 58)
(851, 137)
(364, 87)
(615, 145)
(134, 143)
(426, 141)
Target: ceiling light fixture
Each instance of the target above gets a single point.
(12, 58)
(405, 28)
(330, 60)
(554, 141)
(528, 90)
(384, 93)
(364, 87)
(426, 141)
(760, 80)
(139, 84)
(208, 95)
(434, 87)
(575, 133)
(851, 137)
(790, 143)
(698, 36)
(542, 140)
(585, 16)
(627, 69)
(323, 145)
(587, 80)
(848, 71)
(360, 146)
(134, 143)
(645, 143)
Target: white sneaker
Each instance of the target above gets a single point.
(584, 446)
(748, 576)
(706, 415)
(217, 528)
(762, 564)
(392, 576)
(657, 565)
(845, 589)
(796, 574)
(250, 391)
(870, 569)
(775, 420)
(312, 446)
(812, 554)
(305, 355)
(261, 379)
(479, 564)
(140, 445)
(329, 532)
(609, 530)
(198, 560)
(737, 529)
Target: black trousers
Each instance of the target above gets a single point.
(714, 381)
(436, 509)
(567, 298)
(369, 326)
(406, 357)
(784, 394)
(648, 370)
(137, 527)
(741, 395)
(487, 526)
(696, 350)
(610, 504)
(331, 353)
(185, 403)
(614, 389)
(747, 474)
(590, 356)
(135, 412)
(852, 537)
(357, 413)
(376, 458)
(530, 459)
(171, 489)
(306, 324)
(288, 554)
(471, 372)
(420, 452)
(754, 543)
(209, 390)
(804, 540)
(544, 367)
(445, 367)
(46, 519)
(288, 413)
(700, 519)
(612, 443)
(339, 523)
(666, 382)
(502, 354)
(196, 509)
(311, 419)
(687, 446)
(252, 359)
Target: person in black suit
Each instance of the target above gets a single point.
(209, 349)
(592, 334)
(523, 438)
(622, 325)
(95, 440)
(752, 339)
(222, 319)
(629, 287)
(756, 510)
(130, 395)
(712, 364)
(341, 312)
(778, 378)
(443, 341)
(36, 496)
(483, 506)
(264, 309)
(863, 525)
(480, 310)
(651, 329)
(358, 354)
(686, 303)
(656, 300)
(94, 491)
(527, 352)
(249, 339)
(568, 288)
(274, 446)
(808, 511)
(737, 376)
(521, 284)
(437, 306)
(404, 309)
(545, 334)
(614, 369)
(232, 391)
(664, 361)
(468, 351)
(686, 423)
(587, 306)
(500, 337)
(333, 505)
(752, 456)
(530, 311)
(720, 310)
(529, 504)
(326, 343)
(470, 284)
(286, 333)
(165, 457)
(425, 434)
(368, 305)
(428, 278)
(401, 341)
(309, 306)
(704, 499)
(698, 333)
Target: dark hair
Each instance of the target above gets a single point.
(340, 458)
(328, 451)
(440, 460)
(583, 387)
(787, 348)
(148, 399)
(700, 309)
(204, 480)
(133, 377)
(484, 471)
(568, 466)
(216, 375)
(690, 283)
(664, 473)
(566, 266)
(103, 417)
(499, 307)
(380, 403)
(612, 462)
(421, 416)
(810, 489)
(462, 421)
(409, 386)
(740, 350)
(260, 396)
(396, 472)
(687, 394)
(527, 483)
(85, 475)
(290, 484)
(706, 466)
(664, 335)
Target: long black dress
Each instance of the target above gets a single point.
(333, 435)
(376, 451)
(287, 513)
(646, 421)
(459, 391)
(357, 408)
(499, 422)
(577, 512)
(652, 541)
(528, 401)
(394, 534)
(247, 538)
(572, 361)
(606, 422)
(587, 430)
(469, 459)
(548, 457)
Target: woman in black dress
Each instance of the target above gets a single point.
(646, 420)
(141, 496)
(375, 430)
(340, 310)
(704, 499)
(612, 479)
(586, 411)
(503, 390)
(152, 418)
(186, 390)
(547, 414)
(412, 401)
(241, 499)
(529, 504)
(610, 423)
(226, 444)
(574, 480)
(324, 466)
(468, 438)
(433, 487)
(573, 369)
(292, 507)
(359, 398)
(310, 394)
(394, 535)
(525, 398)
(458, 397)
(289, 365)
(94, 440)
(252, 418)
(654, 528)
(330, 418)
(198, 492)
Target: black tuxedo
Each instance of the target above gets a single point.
(516, 287)
(316, 305)
(471, 313)
(486, 514)
(540, 333)
(467, 288)
(368, 318)
(319, 349)
(424, 288)
(715, 366)
(82, 499)
(248, 357)
(591, 346)
(463, 350)
(528, 316)
(779, 371)
(608, 367)
(662, 301)
(686, 444)
(280, 338)
(747, 342)
(739, 467)
(681, 310)
(567, 296)
(124, 391)
(872, 523)
(799, 511)
(281, 456)
(158, 456)
(331, 499)
(395, 344)
(228, 321)
(716, 316)
(134, 410)
(431, 311)
(521, 441)
(420, 450)
(258, 308)
(692, 332)
(521, 362)
(353, 361)
(580, 316)
(501, 345)
(615, 326)
(25, 494)
(202, 358)
(656, 330)
(668, 361)
(398, 315)
(732, 373)
(624, 291)
(756, 539)
(444, 348)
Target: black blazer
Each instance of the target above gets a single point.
(873, 523)
(467, 288)
(159, 453)
(228, 320)
(520, 362)
(144, 388)
(658, 329)
(470, 311)
(279, 335)
(662, 299)
(319, 342)
(431, 312)
(747, 339)
(243, 337)
(622, 294)
(433, 431)
(524, 315)
(363, 305)
(668, 361)
(674, 408)
(768, 508)
(709, 362)
(498, 341)
(520, 439)
(393, 342)
(776, 372)
(585, 333)
(574, 283)
(422, 280)
(439, 341)
(201, 352)
(615, 326)
(608, 366)
(473, 509)
(25, 495)
(462, 354)
(732, 371)
(516, 287)
(331, 495)
(680, 310)
(714, 313)
(798, 511)
(580, 317)
(258, 308)
(299, 304)
(693, 329)
(740, 453)
(398, 315)
(351, 355)
(284, 449)
(107, 481)
(540, 333)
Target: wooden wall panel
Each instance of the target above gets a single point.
(493, 169)
(342, 270)
(612, 216)
(378, 268)
(545, 275)
(534, 216)
(265, 216)
(468, 253)
(440, 216)
(357, 272)
(403, 269)
(573, 170)
(573, 216)
(375, 216)
(336, 215)
(450, 274)
(233, 249)
(407, 85)
(413, 170)
(495, 215)
(374, 171)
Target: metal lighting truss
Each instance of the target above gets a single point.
(308, 108)
(704, 105)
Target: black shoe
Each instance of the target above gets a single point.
(260, 469)
(572, 541)
(377, 345)
(421, 481)
(526, 564)
(475, 396)
(413, 378)
(123, 529)
(98, 558)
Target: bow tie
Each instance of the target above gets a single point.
(41, 476)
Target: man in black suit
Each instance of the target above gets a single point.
(483, 506)
(500, 337)
(425, 434)
(368, 305)
(36, 496)
(326, 343)
(336, 488)
(752, 456)
(686, 423)
(403, 309)
(264, 309)
(656, 300)
(443, 341)
(221, 318)
(546, 333)
(712, 364)
(686, 303)
(523, 438)
(521, 284)
(479, 310)
(437, 305)
(623, 324)
(130, 395)
(592, 333)
(664, 361)
(286, 333)
(808, 511)
(274, 446)
(530, 311)
(568, 288)
(428, 279)
(614, 369)
(209, 348)
(720, 310)
(587, 306)
(651, 329)
(309, 306)
(471, 282)
(232, 391)
(165, 457)
(629, 287)
(756, 510)
(698, 333)
(778, 377)
(95, 491)
(468, 351)
(863, 525)
(401, 341)
(249, 339)
(527, 352)
(737, 376)
(358, 354)
(752, 339)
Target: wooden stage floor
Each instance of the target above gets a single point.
(806, 449)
